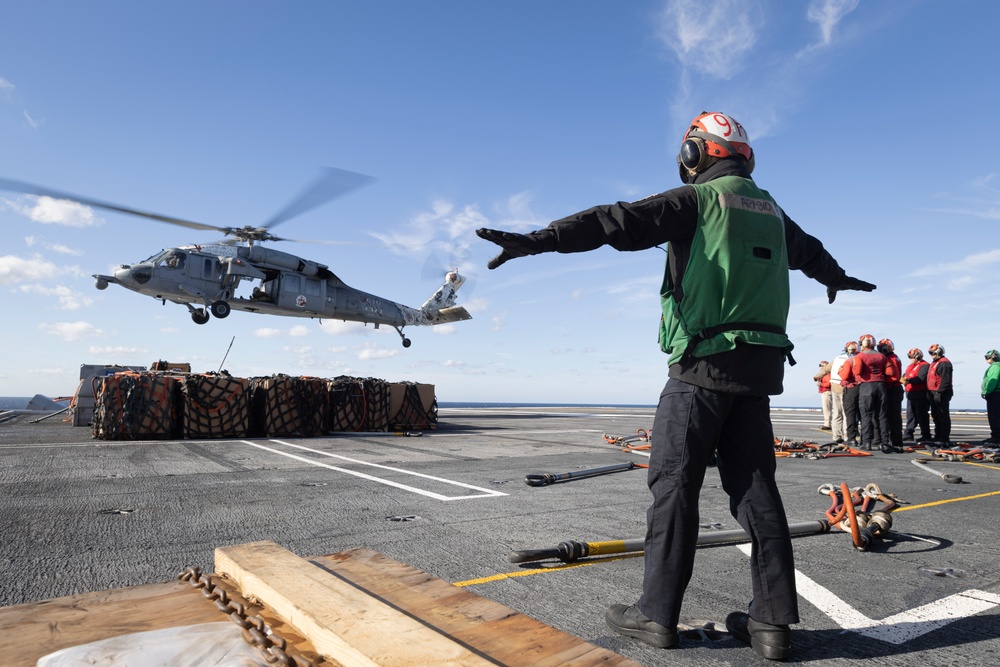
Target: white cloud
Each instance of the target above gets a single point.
(68, 299)
(450, 230)
(971, 264)
(828, 13)
(15, 269)
(370, 352)
(711, 37)
(516, 213)
(478, 305)
(443, 329)
(338, 327)
(267, 332)
(49, 211)
(961, 283)
(5, 84)
(444, 228)
(32, 241)
(32, 123)
(299, 330)
(72, 331)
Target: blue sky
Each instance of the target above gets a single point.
(872, 123)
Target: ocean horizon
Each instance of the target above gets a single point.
(21, 402)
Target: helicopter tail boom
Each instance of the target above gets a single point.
(440, 308)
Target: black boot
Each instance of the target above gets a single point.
(629, 621)
(773, 642)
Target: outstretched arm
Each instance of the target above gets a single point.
(668, 216)
(807, 254)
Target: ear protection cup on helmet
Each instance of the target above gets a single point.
(694, 155)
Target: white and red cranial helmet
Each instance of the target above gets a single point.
(712, 136)
(713, 126)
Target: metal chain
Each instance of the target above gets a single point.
(256, 632)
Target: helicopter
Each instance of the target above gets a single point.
(213, 279)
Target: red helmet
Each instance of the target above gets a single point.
(887, 343)
(851, 347)
(870, 339)
(915, 354)
(712, 135)
(936, 350)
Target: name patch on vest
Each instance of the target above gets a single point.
(730, 200)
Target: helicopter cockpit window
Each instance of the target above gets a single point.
(173, 260)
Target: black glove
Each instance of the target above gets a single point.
(517, 245)
(848, 283)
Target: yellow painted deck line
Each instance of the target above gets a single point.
(541, 570)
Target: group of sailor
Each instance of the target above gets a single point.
(863, 389)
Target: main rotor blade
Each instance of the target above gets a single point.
(333, 183)
(27, 188)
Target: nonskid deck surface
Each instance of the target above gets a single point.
(82, 515)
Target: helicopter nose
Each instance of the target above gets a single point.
(137, 274)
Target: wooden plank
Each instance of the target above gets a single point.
(506, 636)
(341, 621)
(43, 627)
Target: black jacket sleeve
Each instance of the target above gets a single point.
(639, 225)
(807, 254)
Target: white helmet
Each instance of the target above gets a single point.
(712, 135)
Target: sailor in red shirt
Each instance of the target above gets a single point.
(893, 393)
(822, 379)
(940, 387)
(850, 385)
(917, 398)
(868, 368)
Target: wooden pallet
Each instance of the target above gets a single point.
(357, 607)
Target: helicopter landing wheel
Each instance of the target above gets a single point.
(406, 341)
(221, 309)
(200, 316)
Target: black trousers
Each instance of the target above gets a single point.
(918, 404)
(894, 413)
(851, 412)
(871, 398)
(993, 414)
(940, 413)
(690, 424)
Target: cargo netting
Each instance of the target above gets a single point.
(168, 405)
(417, 407)
(136, 406)
(216, 406)
(359, 404)
(289, 406)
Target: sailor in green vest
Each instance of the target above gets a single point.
(724, 299)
